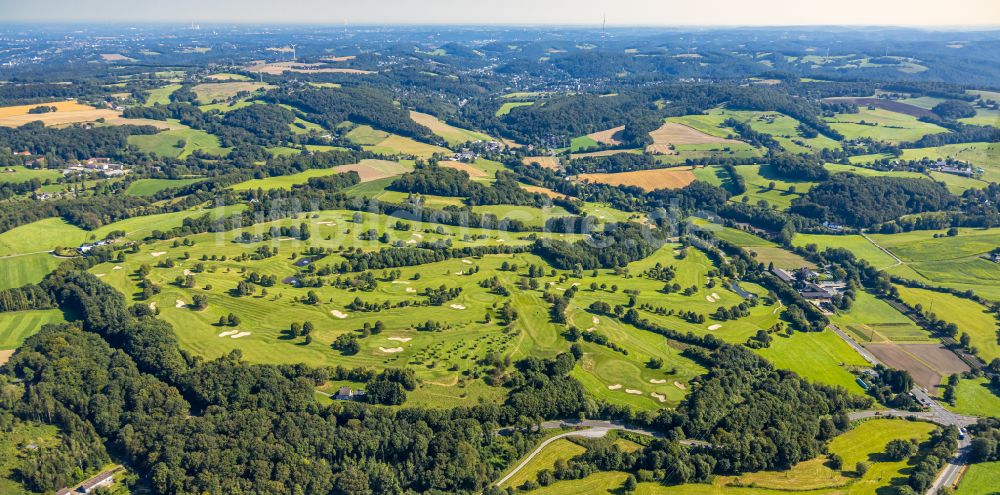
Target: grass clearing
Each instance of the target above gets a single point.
(149, 187)
(18, 325)
(968, 315)
(821, 357)
(455, 136)
(881, 124)
(546, 459)
(975, 397)
(179, 143)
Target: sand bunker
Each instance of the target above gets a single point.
(615, 386)
(716, 296)
(158, 254)
(633, 391)
(456, 306)
(401, 339)
(714, 327)
(411, 241)
(326, 223)
(338, 314)
(391, 350)
(179, 304)
(709, 299)
(187, 272)
(657, 381)
(658, 397)
(239, 335)
(99, 275)
(596, 320)
(404, 282)
(228, 333)
(467, 262)
(418, 236)
(591, 329)
(117, 267)
(680, 385)
(152, 306)
(410, 289)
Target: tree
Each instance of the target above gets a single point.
(861, 468)
(965, 339)
(630, 484)
(233, 320)
(899, 449)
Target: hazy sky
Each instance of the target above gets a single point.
(619, 12)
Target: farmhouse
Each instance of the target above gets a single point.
(101, 480)
(345, 393)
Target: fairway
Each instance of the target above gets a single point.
(26, 269)
(821, 357)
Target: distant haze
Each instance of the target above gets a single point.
(538, 12)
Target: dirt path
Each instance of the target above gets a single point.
(884, 250)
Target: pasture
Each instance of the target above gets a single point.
(881, 124)
(758, 179)
(872, 320)
(861, 247)
(178, 143)
(455, 136)
(560, 449)
(161, 95)
(664, 178)
(981, 478)
(149, 187)
(976, 397)
(18, 174)
(507, 106)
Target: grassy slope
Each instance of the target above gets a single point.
(546, 459)
(891, 126)
(975, 397)
(149, 187)
(165, 143)
(968, 315)
(19, 325)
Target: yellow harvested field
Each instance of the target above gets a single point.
(607, 136)
(115, 57)
(209, 92)
(543, 190)
(345, 58)
(473, 172)
(574, 156)
(549, 162)
(278, 68)
(674, 133)
(663, 178)
(67, 112)
(370, 170)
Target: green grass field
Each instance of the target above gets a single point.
(161, 95)
(980, 479)
(975, 397)
(821, 357)
(17, 174)
(26, 269)
(758, 180)
(12, 447)
(863, 443)
(211, 92)
(19, 325)
(856, 244)
(871, 319)
(149, 187)
(366, 168)
(455, 136)
(782, 127)
(546, 459)
(165, 143)
(968, 315)
(888, 126)
(582, 143)
(507, 106)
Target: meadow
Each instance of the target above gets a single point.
(821, 357)
(865, 442)
(18, 174)
(165, 143)
(975, 397)
(455, 136)
(861, 247)
(219, 91)
(507, 106)
(783, 128)
(368, 170)
(560, 449)
(19, 325)
(149, 187)
(161, 95)
(871, 319)
(881, 124)
(758, 179)
(383, 142)
(982, 478)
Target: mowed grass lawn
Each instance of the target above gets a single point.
(165, 143)
(26, 269)
(871, 319)
(758, 180)
(821, 357)
(17, 174)
(976, 398)
(861, 247)
(546, 459)
(18, 325)
(968, 315)
(161, 95)
(149, 187)
(980, 479)
(865, 442)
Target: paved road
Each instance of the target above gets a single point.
(952, 470)
(594, 432)
(857, 347)
(942, 418)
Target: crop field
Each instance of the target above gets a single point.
(278, 68)
(546, 459)
(976, 397)
(758, 180)
(18, 174)
(165, 143)
(481, 169)
(212, 92)
(927, 363)
(149, 187)
(549, 162)
(19, 325)
(383, 142)
(664, 178)
(981, 478)
(883, 125)
(507, 106)
(368, 170)
(873, 320)
(607, 136)
(228, 76)
(455, 136)
(68, 112)
(865, 442)
(968, 315)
